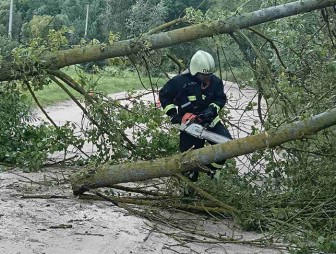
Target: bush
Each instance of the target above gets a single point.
(26, 145)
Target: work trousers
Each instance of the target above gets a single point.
(188, 141)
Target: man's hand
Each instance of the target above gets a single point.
(176, 119)
(208, 115)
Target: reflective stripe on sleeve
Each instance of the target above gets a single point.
(214, 122)
(192, 98)
(216, 106)
(185, 104)
(203, 96)
(168, 107)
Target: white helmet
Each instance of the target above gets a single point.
(202, 62)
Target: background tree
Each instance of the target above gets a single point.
(115, 16)
(177, 9)
(75, 11)
(145, 15)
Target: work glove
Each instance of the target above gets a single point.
(208, 115)
(175, 118)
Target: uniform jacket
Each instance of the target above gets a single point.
(185, 92)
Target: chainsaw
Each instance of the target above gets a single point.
(191, 126)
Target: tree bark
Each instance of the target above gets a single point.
(56, 60)
(108, 175)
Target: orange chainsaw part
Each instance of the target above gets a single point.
(188, 117)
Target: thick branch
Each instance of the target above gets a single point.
(108, 175)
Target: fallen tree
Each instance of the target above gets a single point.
(109, 175)
(62, 58)
(306, 203)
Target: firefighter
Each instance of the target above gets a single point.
(197, 90)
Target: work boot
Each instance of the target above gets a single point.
(211, 173)
(213, 167)
(191, 175)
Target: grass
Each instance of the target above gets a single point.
(110, 81)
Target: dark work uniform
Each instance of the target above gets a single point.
(190, 95)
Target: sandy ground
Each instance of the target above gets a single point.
(65, 224)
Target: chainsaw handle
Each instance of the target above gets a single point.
(188, 118)
(201, 119)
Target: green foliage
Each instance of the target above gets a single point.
(194, 16)
(76, 10)
(292, 198)
(289, 193)
(6, 47)
(148, 135)
(56, 38)
(144, 16)
(114, 17)
(177, 9)
(28, 61)
(12, 112)
(21, 142)
(70, 13)
(37, 27)
(46, 28)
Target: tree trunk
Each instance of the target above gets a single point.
(69, 57)
(108, 175)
